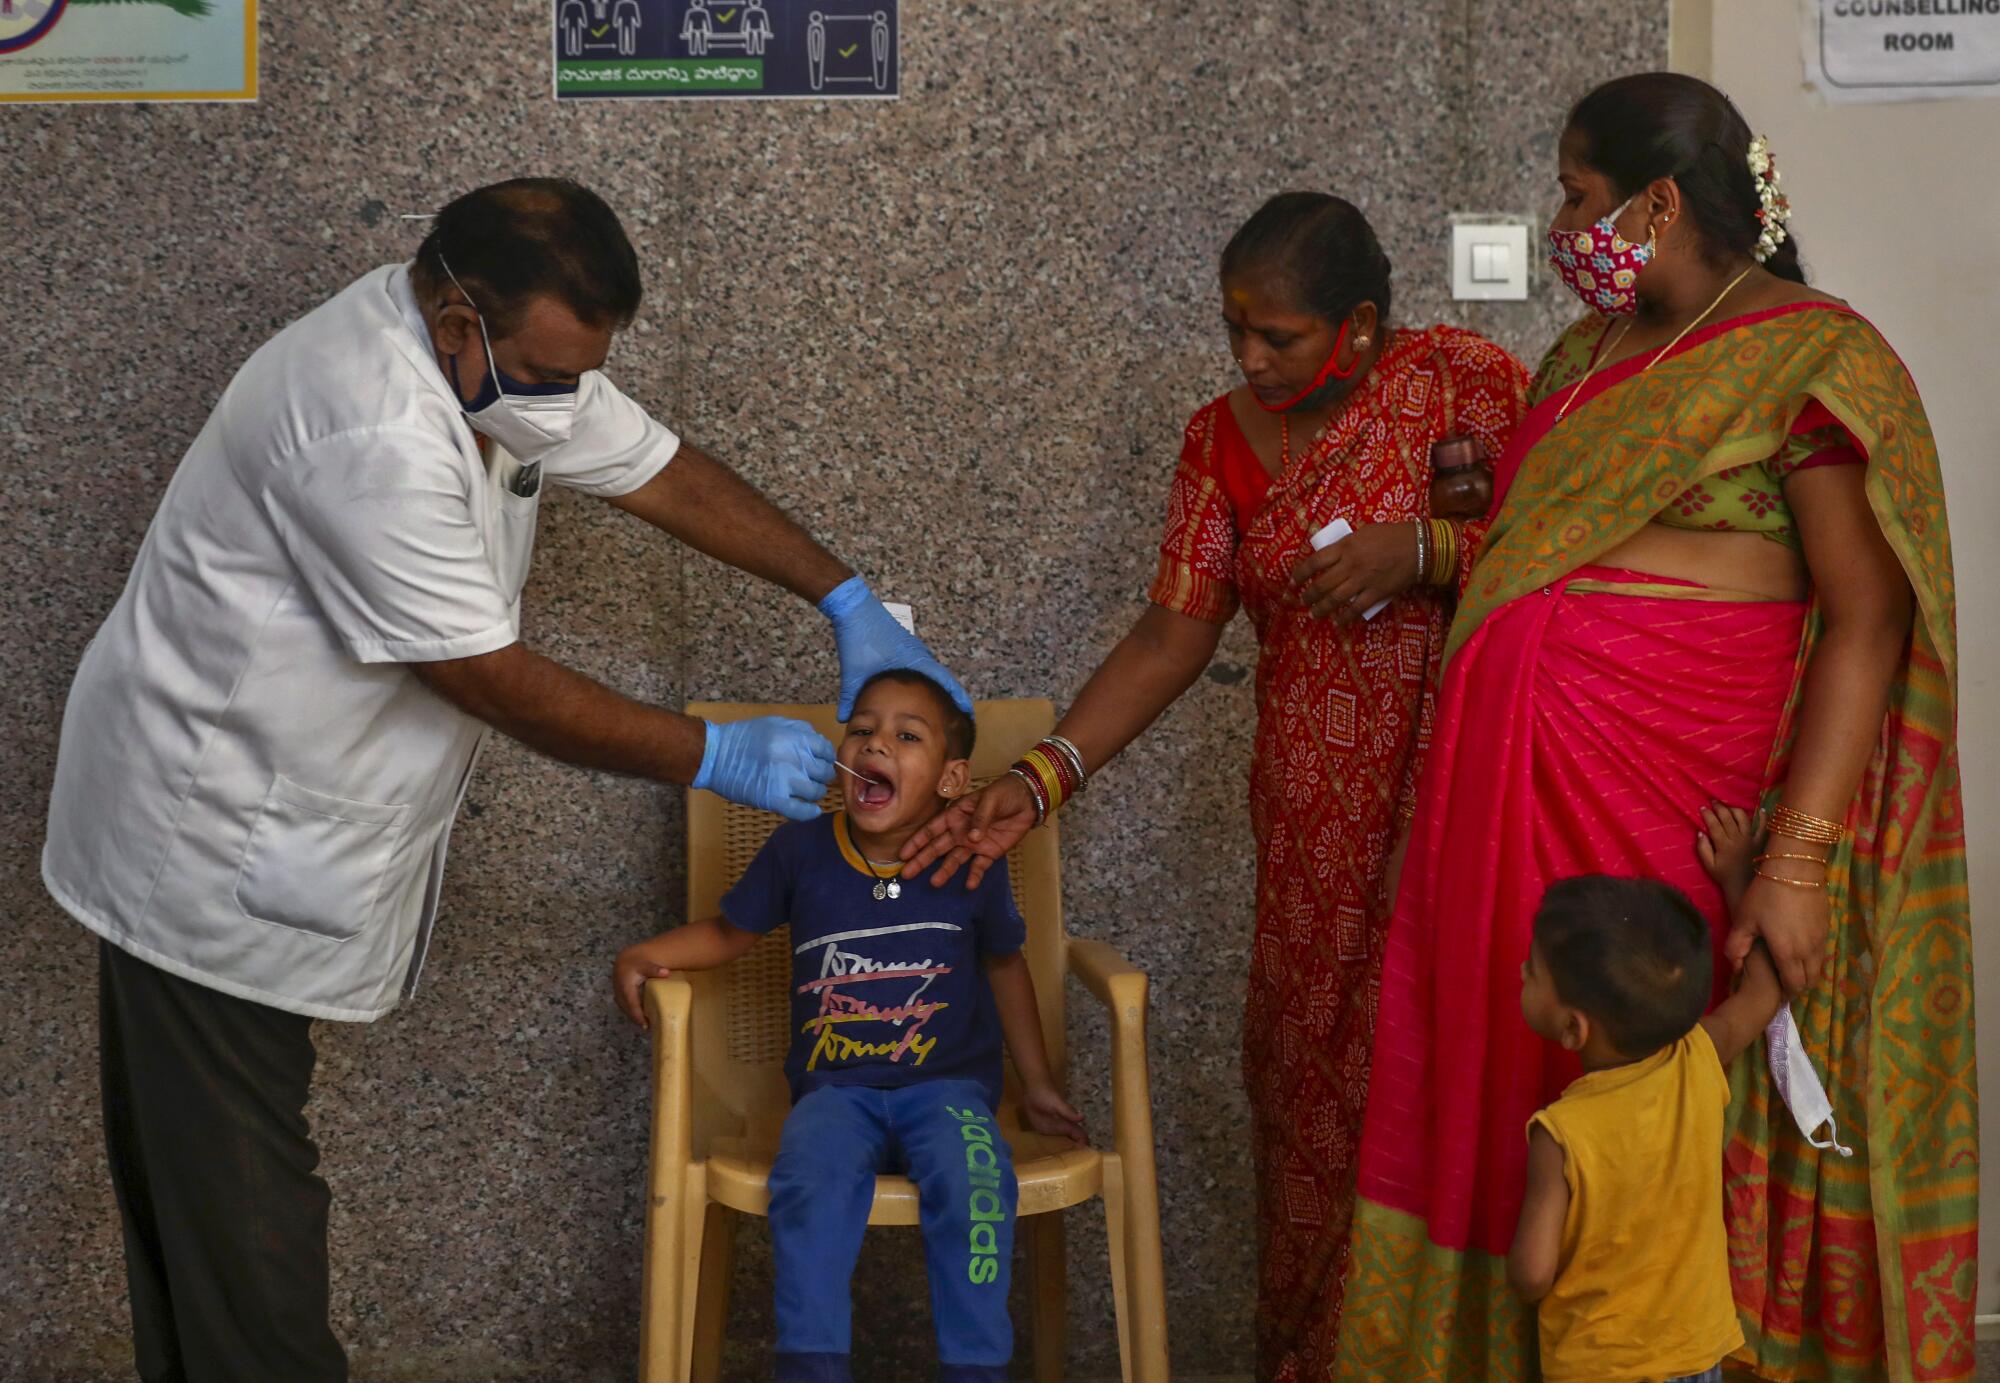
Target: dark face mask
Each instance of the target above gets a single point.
(499, 382)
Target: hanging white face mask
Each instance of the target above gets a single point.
(529, 420)
(1798, 1084)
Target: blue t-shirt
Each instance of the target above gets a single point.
(885, 991)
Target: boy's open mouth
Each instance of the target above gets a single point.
(872, 790)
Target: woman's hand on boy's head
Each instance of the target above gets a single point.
(1049, 1113)
(628, 982)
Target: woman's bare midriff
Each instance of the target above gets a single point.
(1749, 563)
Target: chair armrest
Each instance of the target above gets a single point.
(1114, 981)
(1121, 987)
(669, 1016)
(669, 1006)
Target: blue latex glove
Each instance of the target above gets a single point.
(780, 765)
(870, 641)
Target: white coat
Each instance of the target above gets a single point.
(253, 790)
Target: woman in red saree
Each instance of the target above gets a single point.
(1720, 571)
(1336, 420)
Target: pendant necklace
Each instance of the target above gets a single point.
(887, 886)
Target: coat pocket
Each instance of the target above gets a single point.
(316, 863)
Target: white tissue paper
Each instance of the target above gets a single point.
(1333, 533)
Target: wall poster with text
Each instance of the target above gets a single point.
(128, 50)
(815, 50)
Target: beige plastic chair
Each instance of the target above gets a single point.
(720, 1099)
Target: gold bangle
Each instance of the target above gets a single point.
(1813, 830)
(1819, 860)
(1795, 883)
(1034, 792)
(1444, 552)
(1038, 759)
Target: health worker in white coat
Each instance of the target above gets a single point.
(266, 742)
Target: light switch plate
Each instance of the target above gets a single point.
(1489, 261)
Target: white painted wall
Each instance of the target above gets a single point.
(1898, 211)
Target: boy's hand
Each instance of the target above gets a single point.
(1048, 1112)
(628, 981)
(1760, 972)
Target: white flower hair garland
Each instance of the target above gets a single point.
(1774, 209)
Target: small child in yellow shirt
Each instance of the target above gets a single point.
(1621, 1238)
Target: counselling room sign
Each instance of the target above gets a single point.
(812, 50)
(1901, 50)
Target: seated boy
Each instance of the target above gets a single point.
(901, 994)
(1621, 1238)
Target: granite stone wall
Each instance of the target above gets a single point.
(957, 336)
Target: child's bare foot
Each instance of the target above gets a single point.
(1727, 845)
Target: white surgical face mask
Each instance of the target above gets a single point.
(1798, 1084)
(529, 420)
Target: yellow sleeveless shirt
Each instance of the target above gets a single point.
(1642, 1290)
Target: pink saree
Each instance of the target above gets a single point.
(1590, 728)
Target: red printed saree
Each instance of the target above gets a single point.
(1343, 714)
(1585, 715)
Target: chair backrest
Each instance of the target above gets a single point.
(742, 1012)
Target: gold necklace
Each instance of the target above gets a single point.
(1603, 348)
(1285, 440)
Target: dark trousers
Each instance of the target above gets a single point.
(225, 1222)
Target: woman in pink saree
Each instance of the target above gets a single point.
(1721, 571)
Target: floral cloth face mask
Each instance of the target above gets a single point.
(1600, 265)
